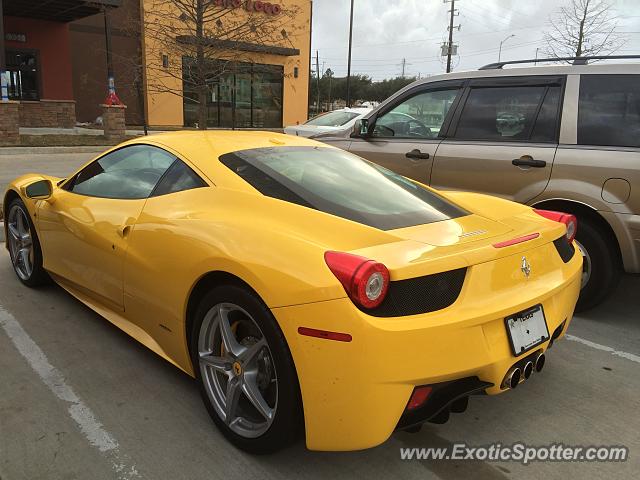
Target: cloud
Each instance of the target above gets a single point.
(386, 31)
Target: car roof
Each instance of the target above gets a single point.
(203, 148)
(597, 68)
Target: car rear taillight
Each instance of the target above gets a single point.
(569, 220)
(365, 281)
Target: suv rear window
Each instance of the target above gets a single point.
(342, 184)
(609, 110)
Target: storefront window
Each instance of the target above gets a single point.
(23, 75)
(244, 96)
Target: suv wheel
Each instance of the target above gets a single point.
(601, 268)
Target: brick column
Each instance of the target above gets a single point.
(9, 123)
(113, 121)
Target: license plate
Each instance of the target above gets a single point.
(527, 329)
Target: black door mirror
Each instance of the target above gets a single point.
(360, 128)
(39, 190)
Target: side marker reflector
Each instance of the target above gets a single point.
(327, 335)
(418, 397)
(515, 241)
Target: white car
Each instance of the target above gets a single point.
(328, 122)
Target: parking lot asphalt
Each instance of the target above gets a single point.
(80, 399)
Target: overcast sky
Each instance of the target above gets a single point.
(386, 31)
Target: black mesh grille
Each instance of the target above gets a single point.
(564, 248)
(421, 294)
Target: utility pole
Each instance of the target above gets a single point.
(349, 60)
(450, 45)
(403, 64)
(318, 78)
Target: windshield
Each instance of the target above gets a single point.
(340, 183)
(332, 119)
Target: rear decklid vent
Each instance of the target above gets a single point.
(418, 295)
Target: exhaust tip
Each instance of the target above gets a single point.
(512, 378)
(539, 362)
(527, 370)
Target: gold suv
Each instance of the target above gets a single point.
(563, 138)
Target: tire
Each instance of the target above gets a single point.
(18, 221)
(244, 311)
(600, 252)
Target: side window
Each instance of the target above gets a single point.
(128, 173)
(179, 177)
(420, 116)
(609, 110)
(522, 113)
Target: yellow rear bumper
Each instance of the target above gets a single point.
(355, 392)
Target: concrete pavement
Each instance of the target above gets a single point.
(585, 396)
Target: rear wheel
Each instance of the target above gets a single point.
(247, 378)
(601, 267)
(24, 246)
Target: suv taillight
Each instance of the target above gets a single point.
(365, 281)
(569, 220)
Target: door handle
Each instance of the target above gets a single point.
(416, 154)
(124, 230)
(527, 161)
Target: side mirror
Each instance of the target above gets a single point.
(39, 190)
(360, 128)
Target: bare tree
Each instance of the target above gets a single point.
(583, 28)
(190, 44)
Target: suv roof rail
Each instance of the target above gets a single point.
(576, 60)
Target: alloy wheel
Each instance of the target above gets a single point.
(586, 264)
(20, 242)
(237, 370)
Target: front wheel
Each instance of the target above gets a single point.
(24, 246)
(601, 267)
(247, 378)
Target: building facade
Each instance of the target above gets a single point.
(258, 78)
(35, 53)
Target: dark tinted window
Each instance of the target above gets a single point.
(179, 177)
(510, 113)
(546, 127)
(129, 172)
(340, 183)
(609, 110)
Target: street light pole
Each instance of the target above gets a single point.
(500, 49)
(349, 60)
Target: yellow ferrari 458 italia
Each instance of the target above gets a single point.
(307, 290)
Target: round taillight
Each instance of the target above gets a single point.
(570, 221)
(370, 284)
(572, 228)
(365, 281)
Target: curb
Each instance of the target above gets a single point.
(45, 150)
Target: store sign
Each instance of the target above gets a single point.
(15, 37)
(253, 6)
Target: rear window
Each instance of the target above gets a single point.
(342, 184)
(332, 119)
(609, 110)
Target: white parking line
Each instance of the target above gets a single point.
(604, 348)
(90, 427)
